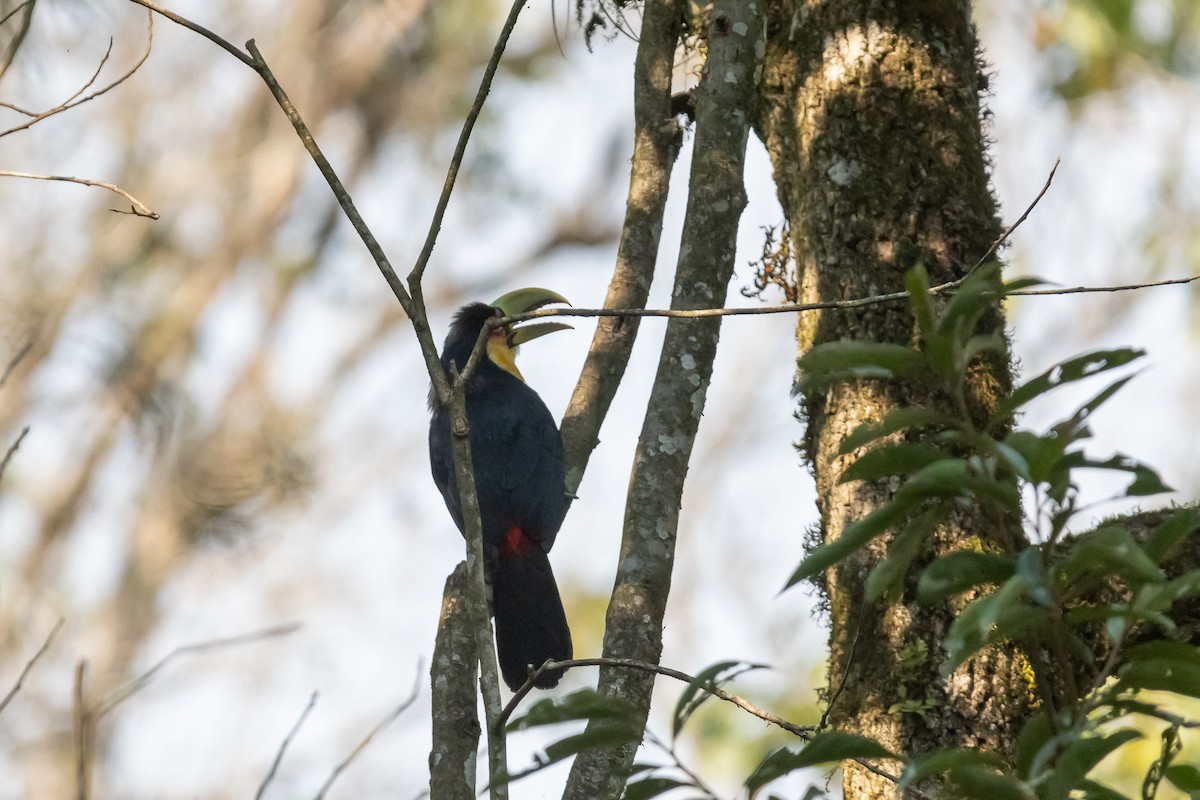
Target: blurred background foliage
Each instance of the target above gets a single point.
(227, 414)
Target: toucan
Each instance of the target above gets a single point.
(519, 478)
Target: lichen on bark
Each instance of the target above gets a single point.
(871, 113)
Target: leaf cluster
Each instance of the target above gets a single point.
(1027, 580)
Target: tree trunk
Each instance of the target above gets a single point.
(871, 113)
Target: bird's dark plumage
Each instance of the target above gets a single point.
(519, 478)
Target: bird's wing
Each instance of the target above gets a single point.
(442, 465)
(535, 479)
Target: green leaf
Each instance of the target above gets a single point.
(593, 737)
(822, 749)
(969, 303)
(952, 477)
(1079, 758)
(957, 572)
(1109, 551)
(855, 536)
(1035, 745)
(1098, 791)
(833, 361)
(697, 692)
(1150, 599)
(977, 345)
(653, 786)
(606, 735)
(916, 283)
(1164, 650)
(937, 347)
(887, 578)
(1145, 480)
(1003, 614)
(585, 704)
(1171, 533)
(1185, 778)
(1163, 675)
(986, 783)
(1075, 369)
(901, 458)
(940, 762)
(1085, 411)
(897, 420)
(1043, 454)
(1021, 284)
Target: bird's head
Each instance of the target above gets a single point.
(504, 340)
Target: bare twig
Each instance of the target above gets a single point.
(691, 774)
(79, 98)
(383, 723)
(18, 38)
(485, 86)
(29, 664)
(83, 721)
(138, 208)
(862, 612)
(656, 141)
(803, 731)
(312, 701)
(12, 448)
(413, 305)
(14, 361)
(138, 683)
(991, 251)
(792, 308)
(200, 29)
(1129, 287)
(16, 10)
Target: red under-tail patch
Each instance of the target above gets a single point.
(516, 542)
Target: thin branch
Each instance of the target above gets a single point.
(200, 29)
(18, 38)
(489, 681)
(14, 361)
(312, 701)
(16, 10)
(138, 208)
(78, 100)
(991, 251)
(792, 308)
(137, 684)
(1129, 287)
(413, 305)
(862, 613)
(656, 142)
(82, 721)
(29, 664)
(383, 723)
(691, 774)
(485, 86)
(633, 624)
(12, 448)
(803, 731)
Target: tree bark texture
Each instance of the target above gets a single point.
(716, 198)
(871, 113)
(656, 141)
(452, 759)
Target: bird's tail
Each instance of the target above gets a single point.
(531, 625)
